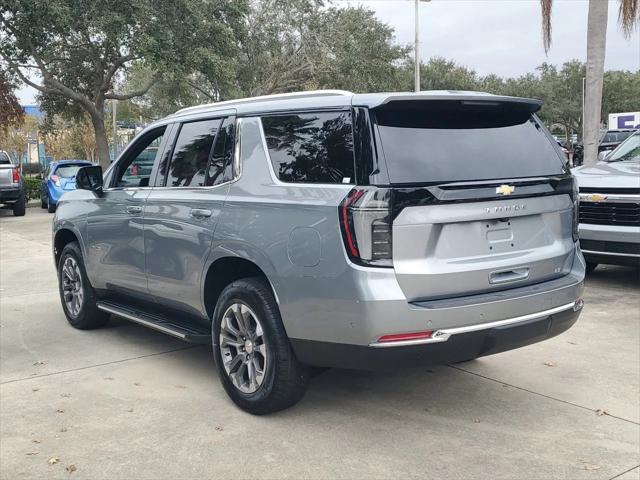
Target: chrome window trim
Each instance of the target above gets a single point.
(444, 334)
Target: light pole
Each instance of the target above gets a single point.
(584, 80)
(416, 47)
(115, 127)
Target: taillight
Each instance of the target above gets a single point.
(16, 176)
(56, 180)
(576, 213)
(365, 221)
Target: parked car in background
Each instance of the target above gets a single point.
(59, 177)
(609, 140)
(12, 186)
(308, 229)
(610, 207)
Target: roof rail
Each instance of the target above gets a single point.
(267, 98)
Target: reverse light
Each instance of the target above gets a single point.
(365, 221)
(15, 175)
(403, 337)
(56, 180)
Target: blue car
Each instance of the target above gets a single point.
(58, 178)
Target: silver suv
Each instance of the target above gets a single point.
(610, 207)
(329, 229)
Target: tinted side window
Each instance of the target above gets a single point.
(134, 170)
(311, 147)
(190, 158)
(220, 165)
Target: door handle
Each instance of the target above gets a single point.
(134, 209)
(506, 276)
(200, 213)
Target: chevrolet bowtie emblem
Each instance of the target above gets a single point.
(505, 189)
(596, 197)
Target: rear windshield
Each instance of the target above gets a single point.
(68, 171)
(4, 158)
(457, 149)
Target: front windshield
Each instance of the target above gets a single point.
(628, 151)
(68, 171)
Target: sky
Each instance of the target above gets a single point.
(494, 36)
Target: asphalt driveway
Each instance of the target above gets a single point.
(125, 402)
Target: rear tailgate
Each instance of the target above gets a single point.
(6, 175)
(466, 248)
(482, 200)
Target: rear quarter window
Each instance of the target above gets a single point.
(311, 147)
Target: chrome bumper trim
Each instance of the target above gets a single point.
(611, 254)
(443, 335)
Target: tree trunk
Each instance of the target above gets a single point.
(596, 45)
(102, 145)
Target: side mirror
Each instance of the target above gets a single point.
(89, 178)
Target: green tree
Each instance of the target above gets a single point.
(629, 17)
(356, 52)
(621, 92)
(284, 46)
(304, 44)
(80, 49)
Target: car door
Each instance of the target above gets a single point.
(115, 233)
(182, 211)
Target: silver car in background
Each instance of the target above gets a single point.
(610, 207)
(329, 229)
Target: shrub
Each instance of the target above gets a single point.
(33, 187)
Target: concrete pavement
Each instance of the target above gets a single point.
(125, 402)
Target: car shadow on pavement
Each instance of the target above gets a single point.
(613, 276)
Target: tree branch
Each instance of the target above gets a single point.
(113, 69)
(135, 93)
(50, 82)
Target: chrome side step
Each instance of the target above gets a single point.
(161, 324)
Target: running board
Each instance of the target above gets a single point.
(161, 324)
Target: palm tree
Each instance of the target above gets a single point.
(628, 17)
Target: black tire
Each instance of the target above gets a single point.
(285, 379)
(88, 316)
(591, 267)
(51, 208)
(20, 207)
(43, 204)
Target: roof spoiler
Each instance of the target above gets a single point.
(503, 103)
(454, 111)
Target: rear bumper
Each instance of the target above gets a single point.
(344, 333)
(54, 195)
(10, 194)
(458, 346)
(610, 244)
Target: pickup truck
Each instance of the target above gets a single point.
(12, 186)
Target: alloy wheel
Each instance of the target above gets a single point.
(72, 288)
(243, 347)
